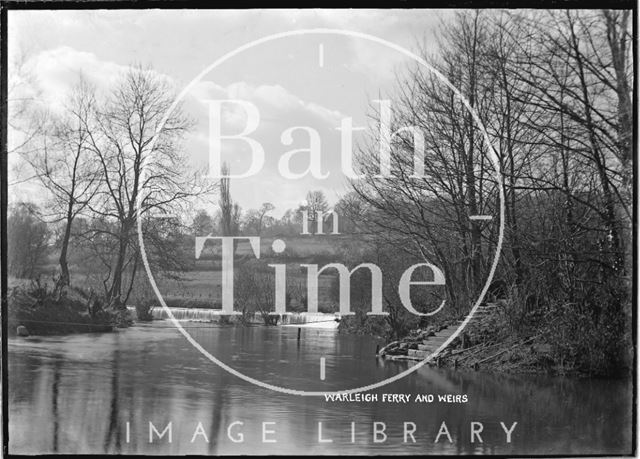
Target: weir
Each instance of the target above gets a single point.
(325, 320)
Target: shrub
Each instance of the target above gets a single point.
(43, 312)
(27, 241)
(224, 320)
(587, 341)
(143, 310)
(362, 324)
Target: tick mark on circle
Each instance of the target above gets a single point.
(321, 54)
(278, 246)
(322, 371)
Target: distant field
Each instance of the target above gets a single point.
(301, 246)
(202, 284)
(192, 284)
(207, 285)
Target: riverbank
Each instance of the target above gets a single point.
(495, 341)
(36, 309)
(511, 354)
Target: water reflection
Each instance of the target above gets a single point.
(54, 403)
(98, 394)
(113, 433)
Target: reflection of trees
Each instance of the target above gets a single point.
(555, 415)
(113, 432)
(220, 395)
(216, 412)
(550, 411)
(54, 403)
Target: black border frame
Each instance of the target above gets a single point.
(8, 5)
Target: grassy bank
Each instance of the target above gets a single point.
(553, 340)
(38, 310)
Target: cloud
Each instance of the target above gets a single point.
(282, 79)
(279, 110)
(46, 80)
(55, 72)
(270, 97)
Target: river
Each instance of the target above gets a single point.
(98, 393)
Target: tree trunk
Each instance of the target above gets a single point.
(115, 291)
(64, 279)
(470, 173)
(617, 38)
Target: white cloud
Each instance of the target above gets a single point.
(46, 79)
(288, 91)
(279, 109)
(271, 97)
(55, 72)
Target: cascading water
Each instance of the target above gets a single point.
(319, 319)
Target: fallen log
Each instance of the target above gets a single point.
(460, 351)
(483, 348)
(508, 349)
(383, 351)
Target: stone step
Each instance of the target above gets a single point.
(441, 334)
(418, 353)
(429, 347)
(430, 344)
(444, 333)
(434, 340)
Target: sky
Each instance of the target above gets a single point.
(297, 84)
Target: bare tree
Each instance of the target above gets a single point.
(203, 223)
(140, 162)
(26, 119)
(66, 167)
(27, 241)
(255, 218)
(619, 39)
(579, 69)
(351, 210)
(431, 213)
(255, 293)
(315, 201)
(553, 91)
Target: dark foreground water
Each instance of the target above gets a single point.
(99, 393)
